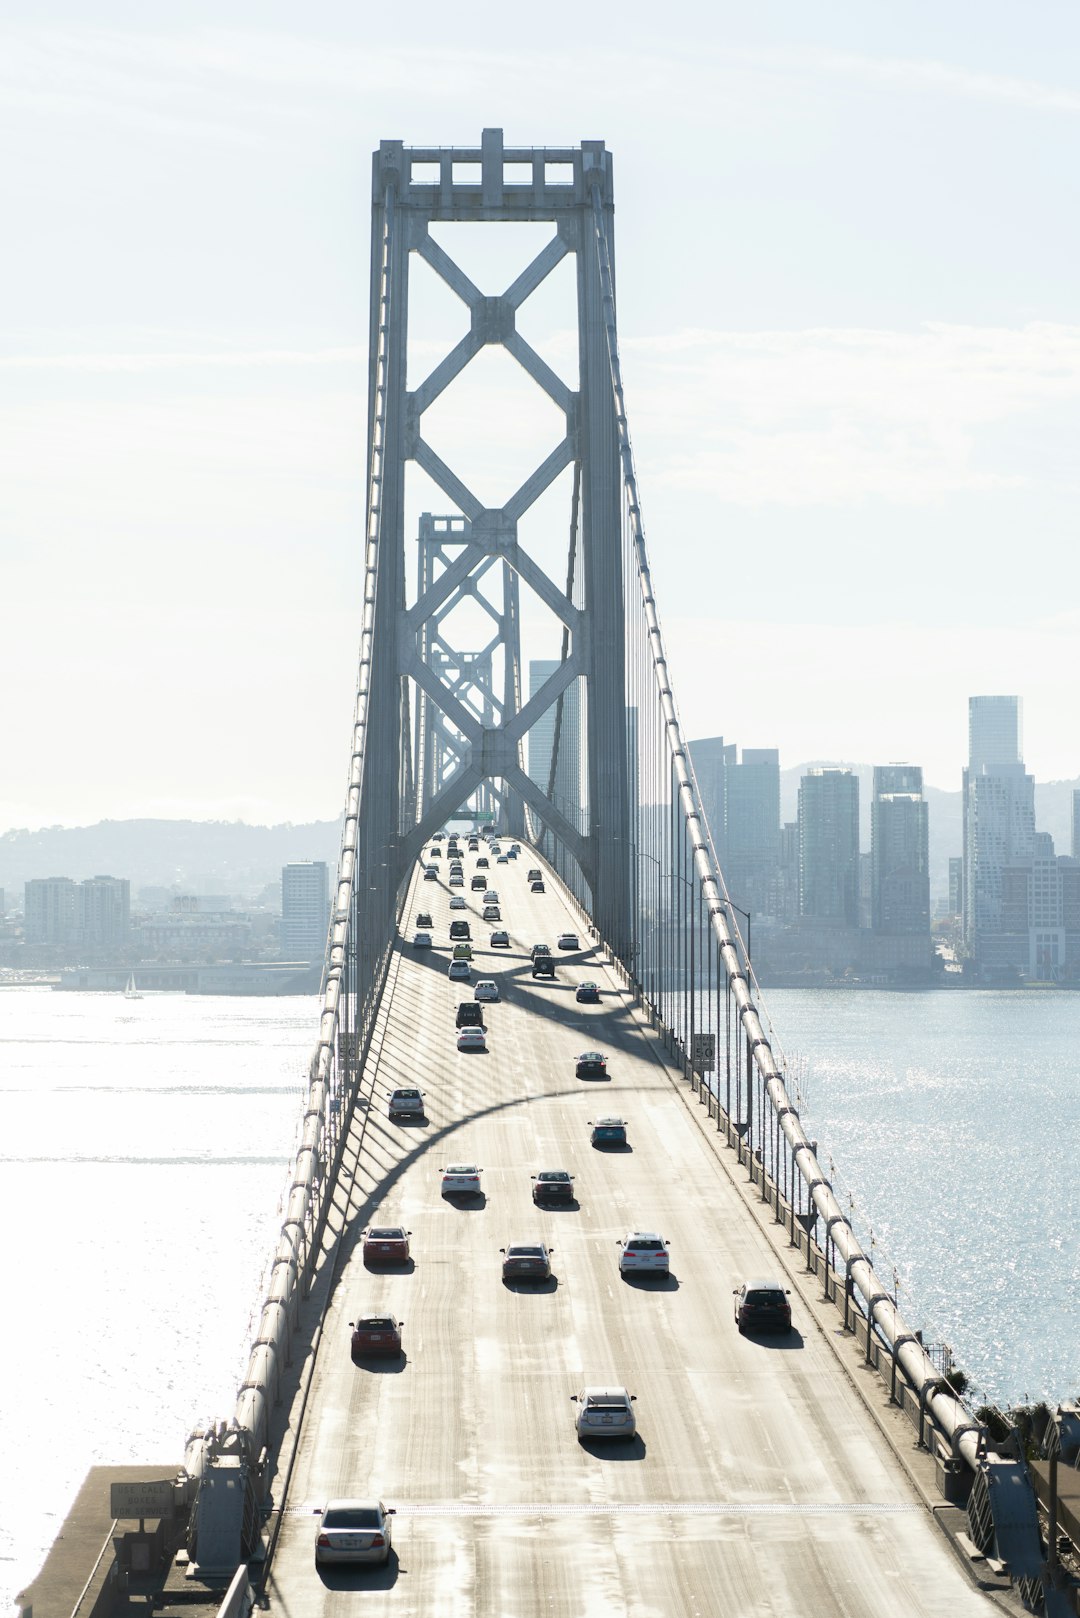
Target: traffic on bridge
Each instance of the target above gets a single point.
(756, 1480)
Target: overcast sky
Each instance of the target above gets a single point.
(849, 306)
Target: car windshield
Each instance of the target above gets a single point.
(764, 1295)
(391, 1233)
(608, 1404)
(645, 1244)
(352, 1517)
(407, 1095)
(462, 1168)
(554, 1175)
(376, 1323)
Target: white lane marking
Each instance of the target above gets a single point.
(670, 1508)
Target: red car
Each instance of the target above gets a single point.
(376, 1336)
(386, 1244)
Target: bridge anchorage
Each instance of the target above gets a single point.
(444, 726)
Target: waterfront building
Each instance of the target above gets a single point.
(899, 852)
(103, 912)
(50, 910)
(829, 847)
(999, 824)
(1076, 826)
(305, 910)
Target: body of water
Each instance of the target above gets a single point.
(145, 1146)
(952, 1120)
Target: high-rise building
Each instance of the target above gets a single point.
(1076, 826)
(752, 826)
(899, 852)
(956, 885)
(50, 910)
(305, 910)
(103, 912)
(710, 758)
(829, 847)
(567, 796)
(999, 814)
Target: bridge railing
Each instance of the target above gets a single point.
(355, 968)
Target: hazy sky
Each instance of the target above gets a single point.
(847, 247)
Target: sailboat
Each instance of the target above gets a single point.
(131, 992)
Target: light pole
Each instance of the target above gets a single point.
(688, 884)
(747, 957)
(657, 989)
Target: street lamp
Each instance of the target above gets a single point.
(746, 947)
(657, 988)
(688, 884)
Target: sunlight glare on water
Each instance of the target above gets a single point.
(146, 1144)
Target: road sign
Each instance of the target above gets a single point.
(703, 1053)
(141, 1499)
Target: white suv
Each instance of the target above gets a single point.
(643, 1250)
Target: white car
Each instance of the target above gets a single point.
(461, 1180)
(421, 940)
(459, 972)
(605, 1413)
(472, 1039)
(457, 902)
(491, 896)
(431, 874)
(353, 1531)
(567, 941)
(486, 989)
(643, 1250)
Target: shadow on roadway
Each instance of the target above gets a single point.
(361, 1575)
(381, 1364)
(467, 1201)
(521, 1283)
(785, 1341)
(614, 1449)
(642, 1281)
(390, 1266)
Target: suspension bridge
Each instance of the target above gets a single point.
(828, 1470)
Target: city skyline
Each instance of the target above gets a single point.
(854, 403)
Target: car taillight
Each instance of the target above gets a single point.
(324, 1540)
(377, 1539)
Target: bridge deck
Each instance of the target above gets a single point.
(758, 1484)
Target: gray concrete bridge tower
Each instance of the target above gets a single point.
(417, 712)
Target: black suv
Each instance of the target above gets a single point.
(470, 1014)
(543, 967)
(460, 930)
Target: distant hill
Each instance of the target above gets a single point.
(211, 856)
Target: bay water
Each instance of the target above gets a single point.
(145, 1146)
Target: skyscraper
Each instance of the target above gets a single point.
(829, 847)
(999, 814)
(567, 794)
(899, 852)
(710, 758)
(752, 826)
(305, 910)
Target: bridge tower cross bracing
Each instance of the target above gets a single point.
(435, 748)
